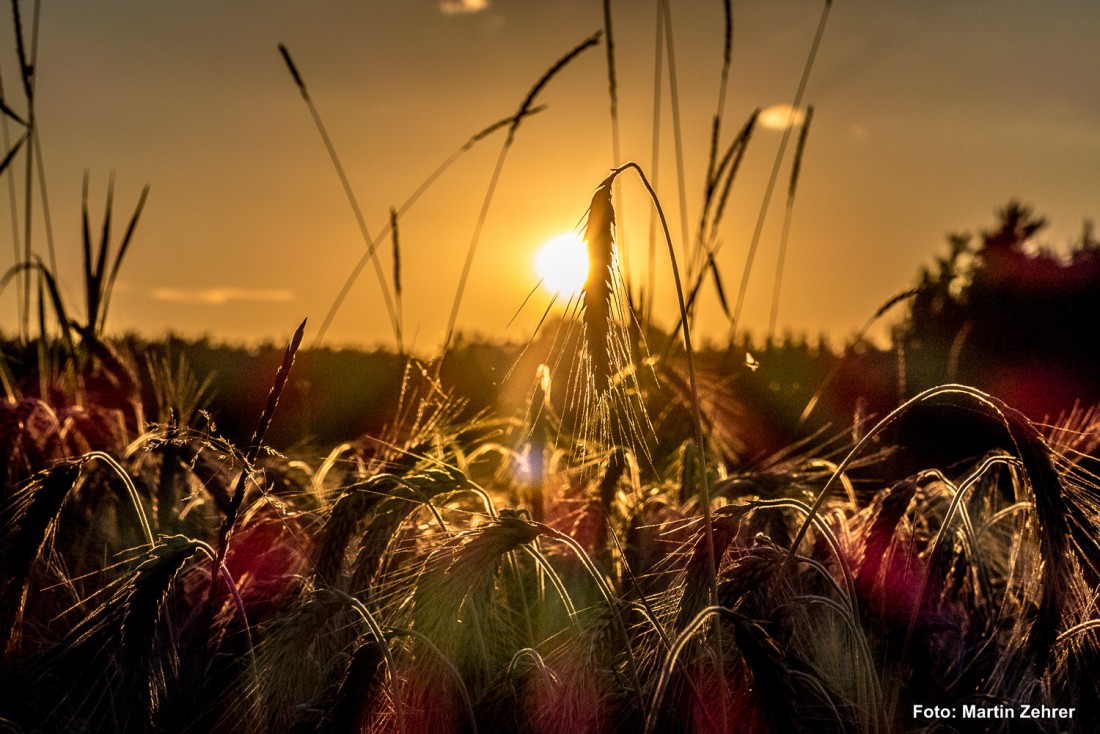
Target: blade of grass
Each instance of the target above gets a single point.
(796, 168)
(761, 216)
(349, 193)
(524, 107)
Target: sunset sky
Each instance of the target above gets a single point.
(928, 117)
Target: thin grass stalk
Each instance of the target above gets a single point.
(346, 185)
(1077, 629)
(237, 498)
(532, 653)
(26, 73)
(658, 71)
(716, 131)
(526, 105)
(397, 281)
(796, 168)
(45, 364)
(1002, 515)
(13, 204)
(555, 581)
(28, 208)
(731, 164)
(674, 94)
(775, 169)
(727, 57)
(613, 97)
(33, 65)
(47, 220)
(123, 247)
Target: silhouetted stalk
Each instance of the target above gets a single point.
(613, 95)
(796, 168)
(524, 107)
(348, 192)
(708, 530)
(397, 280)
(761, 216)
(46, 218)
(237, 498)
(727, 56)
(38, 144)
(13, 203)
(715, 134)
(658, 73)
(673, 89)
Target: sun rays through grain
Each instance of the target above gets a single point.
(571, 533)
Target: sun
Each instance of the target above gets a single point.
(562, 264)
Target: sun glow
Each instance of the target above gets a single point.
(562, 264)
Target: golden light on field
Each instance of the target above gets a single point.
(562, 264)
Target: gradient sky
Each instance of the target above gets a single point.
(928, 116)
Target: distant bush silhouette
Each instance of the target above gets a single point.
(1010, 316)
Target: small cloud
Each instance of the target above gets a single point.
(221, 296)
(779, 116)
(462, 7)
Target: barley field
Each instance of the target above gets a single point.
(612, 526)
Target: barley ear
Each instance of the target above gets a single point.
(597, 289)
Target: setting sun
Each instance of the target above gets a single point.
(562, 264)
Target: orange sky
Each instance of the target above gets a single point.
(927, 118)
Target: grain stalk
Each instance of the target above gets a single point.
(696, 410)
(736, 319)
(524, 109)
(237, 498)
(796, 168)
(712, 570)
(348, 191)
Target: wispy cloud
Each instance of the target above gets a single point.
(459, 7)
(778, 116)
(221, 296)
